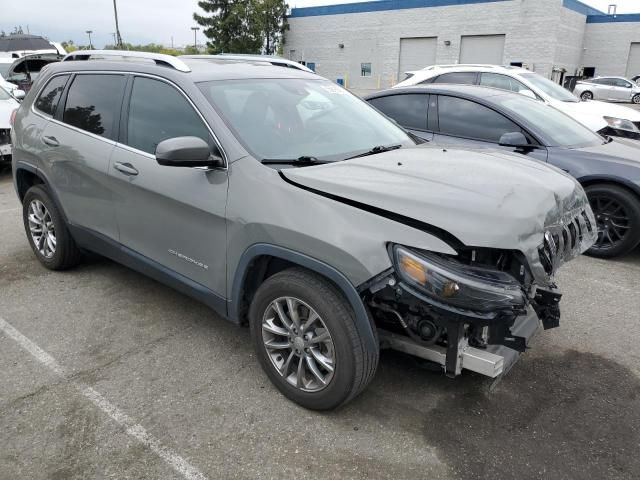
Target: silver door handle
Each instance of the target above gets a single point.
(51, 141)
(126, 168)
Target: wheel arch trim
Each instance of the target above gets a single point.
(610, 180)
(363, 324)
(27, 167)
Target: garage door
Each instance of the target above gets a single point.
(416, 53)
(482, 49)
(633, 65)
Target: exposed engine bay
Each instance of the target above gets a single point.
(446, 307)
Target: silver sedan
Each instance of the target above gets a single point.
(612, 89)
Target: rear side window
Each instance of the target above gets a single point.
(49, 97)
(463, 118)
(459, 78)
(93, 103)
(157, 111)
(409, 110)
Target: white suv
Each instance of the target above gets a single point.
(596, 115)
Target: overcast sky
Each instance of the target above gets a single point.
(143, 21)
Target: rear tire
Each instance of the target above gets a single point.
(353, 363)
(47, 232)
(586, 96)
(617, 213)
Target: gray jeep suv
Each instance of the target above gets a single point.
(286, 203)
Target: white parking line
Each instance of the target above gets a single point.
(134, 429)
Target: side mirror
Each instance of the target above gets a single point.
(187, 152)
(513, 139)
(18, 94)
(528, 93)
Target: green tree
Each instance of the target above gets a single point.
(242, 26)
(272, 22)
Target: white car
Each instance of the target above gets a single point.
(5, 65)
(7, 105)
(598, 116)
(613, 89)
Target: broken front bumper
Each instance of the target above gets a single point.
(492, 361)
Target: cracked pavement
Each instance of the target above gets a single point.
(570, 409)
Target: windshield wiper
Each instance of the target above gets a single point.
(303, 160)
(375, 150)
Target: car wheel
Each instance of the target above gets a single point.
(617, 213)
(586, 96)
(636, 99)
(48, 235)
(306, 340)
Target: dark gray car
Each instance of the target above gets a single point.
(479, 117)
(286, 203)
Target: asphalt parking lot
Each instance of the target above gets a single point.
(107, 374)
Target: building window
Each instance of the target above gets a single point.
(365, 69)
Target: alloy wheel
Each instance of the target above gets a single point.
(298, 344)
(587, 96)
(42, 229)
(636, 99)
(612, 221)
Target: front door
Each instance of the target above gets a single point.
(173, 216)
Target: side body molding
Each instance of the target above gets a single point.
(346, 287)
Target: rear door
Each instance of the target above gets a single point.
(621, 90)
(173, 216)
(408, 110)
(77, 146)
(466, 123)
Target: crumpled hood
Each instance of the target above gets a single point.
(483, 198)
(591, 113)
(619, 150)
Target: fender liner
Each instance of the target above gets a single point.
(363, 325)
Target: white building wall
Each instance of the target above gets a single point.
(530, 28)
(607, 46)
(570, 40)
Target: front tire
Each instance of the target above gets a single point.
(617, 213)
(47, 232)
(306, 340)
(636, 99)
(586, 96)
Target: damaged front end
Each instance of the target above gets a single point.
(477, 310)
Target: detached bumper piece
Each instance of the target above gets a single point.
(493, 361)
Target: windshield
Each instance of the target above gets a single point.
(552, 89)
(559, 129)
(293, 118)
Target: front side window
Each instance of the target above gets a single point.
(157, 112)
(619, 82)
(365, 69)
(289, 118)
(463, 118)
(93, 103)
(47, 102)
(458, 78)
(409, 110)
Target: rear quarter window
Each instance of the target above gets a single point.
(47, 101)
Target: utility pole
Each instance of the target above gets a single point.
(195, 33)
(114, 40)
(118, 36)
(89, 32)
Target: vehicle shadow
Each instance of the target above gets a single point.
(574, 415)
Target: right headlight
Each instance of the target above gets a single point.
(621, 124)
(453, 283)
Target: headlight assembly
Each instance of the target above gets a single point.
(449, 282)
(621, 124)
